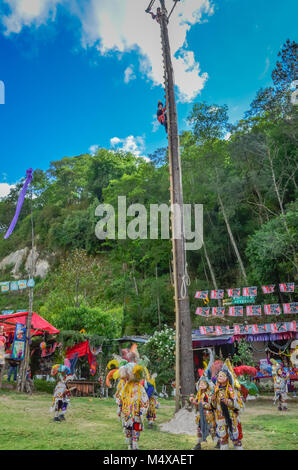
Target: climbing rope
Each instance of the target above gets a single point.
(185, 282)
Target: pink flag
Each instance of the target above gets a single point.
(217, 294)
(203, 311)
(268, 289)
(252, 310)
(272, 309)
(290, 308)
(218, 311)
(234, 292)
(287, 287)
(201, 294)
(292, 326)
(236, 329)
(236, 311)
(218, 330)
(249, 291)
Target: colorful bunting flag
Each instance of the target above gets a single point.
(236, 329)
(218, 330)
(254, 329)
(287, 287)
(234, 292)
(4, 286)
(249, 291)
(22, 284)
(206, 330)
(203, 311)
(252, 310)
(30, 283)
(273, 328)
(268, 289)
(218, 311)
(292, 326)
(201, 294)
(290, 308)
(272, 309)
(236, 311)
(14, 285)
(217, 294)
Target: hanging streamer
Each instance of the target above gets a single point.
(20, 203)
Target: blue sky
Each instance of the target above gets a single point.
(88, 73)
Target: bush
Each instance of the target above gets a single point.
(160, 349)
(44, 386)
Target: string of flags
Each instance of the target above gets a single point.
(10, 312)
(250, 310)
(281, 327)
(246, 291)
(16, 285)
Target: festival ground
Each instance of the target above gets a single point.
(26, 424)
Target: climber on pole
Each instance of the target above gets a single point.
(162, 115)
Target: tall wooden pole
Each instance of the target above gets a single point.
(184, 354)
(25, 362)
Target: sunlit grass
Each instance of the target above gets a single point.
(91, 424)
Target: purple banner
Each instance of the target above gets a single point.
(20, 203)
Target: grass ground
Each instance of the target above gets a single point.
(91, 424)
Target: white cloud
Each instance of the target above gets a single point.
(123, 26)
(93, 149)
(129, 74)
(227, 136)
(5, 189)
(134, 145)
(115, 141)
(28, 13)
(155, 124)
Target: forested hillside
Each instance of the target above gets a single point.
(244, 175)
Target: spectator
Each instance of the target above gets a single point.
(13, 369)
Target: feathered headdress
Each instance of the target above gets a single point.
(229, 371)
(276, 365)
(207, 374)
(61, 369)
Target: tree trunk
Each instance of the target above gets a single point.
(232, 238)
(157, 298)
(211, 271)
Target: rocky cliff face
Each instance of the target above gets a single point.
(25, 257)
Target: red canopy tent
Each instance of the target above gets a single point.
(38, 324)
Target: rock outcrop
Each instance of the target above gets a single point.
(25, 257)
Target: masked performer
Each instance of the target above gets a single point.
(61, 396)
(114, 374)
(150, 387)
(227, 402)
(280, 382)
(205, 417)
(133, 403)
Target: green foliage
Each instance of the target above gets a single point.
(244, 355)
(160, 349)
(105, 323)
(44, 386)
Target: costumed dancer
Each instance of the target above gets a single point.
(114, 374)
(150, 387)
(133, 402)
(280, 382)
(61, 396)
(228, 402)
(205, 417)
(162, 115)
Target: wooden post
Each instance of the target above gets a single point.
(184, 354)
(25, 362)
